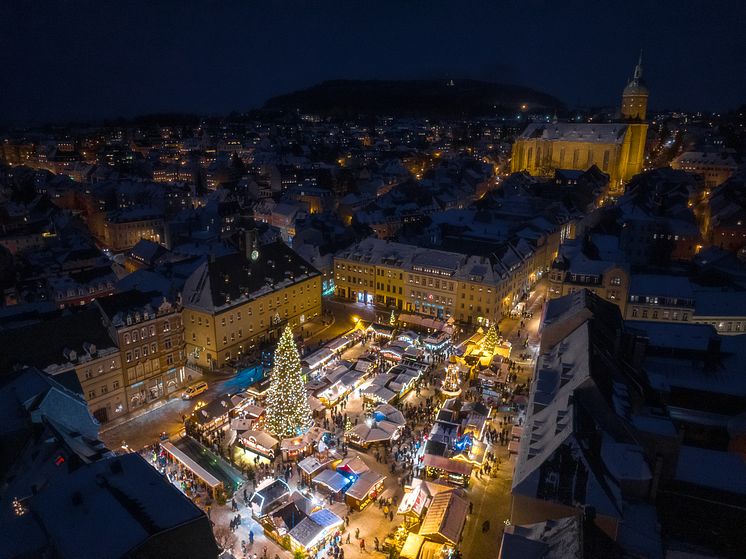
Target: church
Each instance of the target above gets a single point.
(617, 148)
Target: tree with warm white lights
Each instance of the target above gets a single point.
(489, 344)
(288, 412)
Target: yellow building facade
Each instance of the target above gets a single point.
(617, 148)
(440, 284)
(234, 303)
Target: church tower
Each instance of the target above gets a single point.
(635, 96)
(633, 113)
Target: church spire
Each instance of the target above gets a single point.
(638, 68)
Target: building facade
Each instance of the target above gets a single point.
(150, 335)
(122, 230)
(618, 149)
(471, 289)
(234, 303)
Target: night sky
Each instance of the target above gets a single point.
(64, 60)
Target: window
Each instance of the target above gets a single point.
(127, 338)
(129, 356)
(225, 340)
(152, 330)
(104, 389)
(167, 343)
(115, 385)
(166, 326)
(91, 394)
(137, 354)
(153, 348)
(169, 359)
(616, 280)
(194, 337)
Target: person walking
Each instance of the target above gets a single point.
(362, 545)
(357, 533)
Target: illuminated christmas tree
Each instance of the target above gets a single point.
(288, 412)
(489, 344)
(392, 318)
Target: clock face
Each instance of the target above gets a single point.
(254, 254)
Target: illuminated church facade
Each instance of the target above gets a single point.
(617, 148)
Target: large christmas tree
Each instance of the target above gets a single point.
(489, 344)
(288, 412)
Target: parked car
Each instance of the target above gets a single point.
(194, 390)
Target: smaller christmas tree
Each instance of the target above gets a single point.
(392, 318)
(288, 412)
(490, 341)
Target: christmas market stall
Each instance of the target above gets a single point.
(258, 442)
(213, 415)
(377, 392)
(278, 522)
(338, 345)
(331, 484)
(318, 360)
(364, 490)
(445, 518)
(310, 532)
(447, 470)
(188, 466)
(310, 467)
(437, 342)
(379, 330)
(384, 426)
(296, 448)
(269, 496)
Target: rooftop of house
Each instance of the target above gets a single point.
(131, 303)
(558, 460)
(48, 343)
(123, 501)
(226, 281)
(658, 285)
